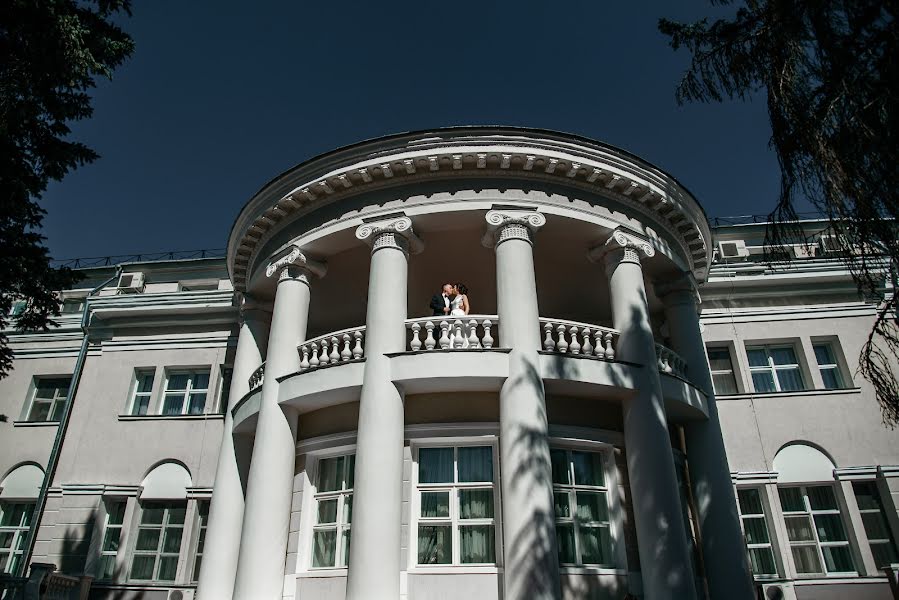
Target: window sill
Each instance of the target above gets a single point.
(801, 393)
(592, 571)
(203, 417)
(35, 423)
(454, 570)
(338, 572)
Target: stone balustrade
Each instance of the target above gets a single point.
(670, 362)
(59, 587)
(570, 337)
(258, 377)
(336, 347)
(468, 332)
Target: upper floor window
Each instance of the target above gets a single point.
(815, 531)
(334, 511)
(580, 500)
(72, 305)
(48, 398)
(141, 391)
(722, 369)
(755, 532)
(15, 519)
(877, 529)
(202, 523)
(774, 369)
(158, 544)
(185, 392)
(112, 536)
(827, 364)
(456, 506)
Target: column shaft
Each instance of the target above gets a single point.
(374, 568)
(724, 553)
(661, 536)
(263, 543)
(222, 544)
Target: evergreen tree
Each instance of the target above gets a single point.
(829, 71)
(51, 52)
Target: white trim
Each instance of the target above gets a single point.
(797, 393)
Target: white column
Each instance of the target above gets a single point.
(374, 568)
(226, 508)
(263, 541)
(661, 536)
(530, 561)
(723, 550)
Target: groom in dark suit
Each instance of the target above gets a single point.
(440, 303)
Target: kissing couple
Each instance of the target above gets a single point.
(452, 301)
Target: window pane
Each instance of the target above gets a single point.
(724, 383)
(141, 405)
(177, 514)
(177, 381)
(783, 356)
(831, 378)
(168, 566)
(435, 504)
(6, 538)
(56, 410)
(324, 544)
(866, 495)
(763, 381)
(830, 528)
(762, 561)
(476, 544)
(196, 404)
(561, 505)
(476, 504)
(346, 547)
(875, 526)
(838, 559)
(592, 507)
(145, 382)
(587, 468)
(435, 545)
(111, 540)
(148, 539)
(799, 529)
(330, 474)
(327, 511)
(172, 542)
(39, 411)
(172, 404)
(107, 567)
(757, 357)
(821, 498)
(791, 499)
(142, 567)
(806, 559)
(719, 359)
(790, 380)
(476, 463)
(884, 554)
(756, 531)
(348, 509)
(350, 471)
(559, 460)
(565, 542)
(823, 354)
(435, 465)
(750, 501)
(595, 545)
(201, 381)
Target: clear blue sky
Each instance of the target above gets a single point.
(220, 97)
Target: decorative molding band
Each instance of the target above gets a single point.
(394, 233)
(295, 259)
(96, 489)
(199, 493)
(855, 473)
(756, 477)
(510, 224)
(888, 470)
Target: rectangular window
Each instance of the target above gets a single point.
(158, 544)
(457, 502)
(72, 305)
(815, 530)
(15, 519)
(755, 532)
(202, 522)
(880, 538)
(774, 369)
(225, 373)
(112, 537)
(185, 392)
(141, 390)
(580, 500)
(49, 398)
(827, 364)
(722, 369)
(334, 512)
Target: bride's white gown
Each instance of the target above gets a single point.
(458, 311)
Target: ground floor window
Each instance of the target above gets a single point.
(158, 543)
(15, 519)
(580, 499)
(456, 506)
(112, 537)
(877, 529)
(202, 522)
(755, 532)
(333, 512)
(815, 530)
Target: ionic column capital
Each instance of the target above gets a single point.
(512, 224)
(296, 265)
(621, 247)
(394, 233)
(679, 290)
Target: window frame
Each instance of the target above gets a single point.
(56, 400)
(159, 553)
(191, 373)
(104, 554)
(135, 393)
(198, 533)
(338, 526)
(733, 372)
(816, 542)
(834, 366)
(454, 521)
(765, 515)
(773, 368)
(880, 510)
(19, 532)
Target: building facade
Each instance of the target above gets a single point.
(635, 404)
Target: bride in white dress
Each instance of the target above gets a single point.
(459, 308)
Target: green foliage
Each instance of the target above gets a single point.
(51, 52)
(829, 70)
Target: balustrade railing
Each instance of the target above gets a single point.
(336, 347)
(670, 362)
(57, 586)
(258, 377)
(468, 332)
(570, 337)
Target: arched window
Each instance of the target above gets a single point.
(20, 489)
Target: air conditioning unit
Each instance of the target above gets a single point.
(187, 594)
(131, 283)
(778, 591)
(804, 251)
(732, 249)
(831, 243)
